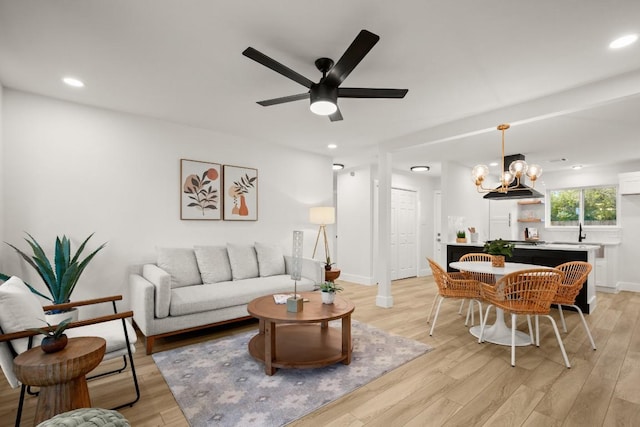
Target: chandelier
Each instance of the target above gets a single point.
(510, 179)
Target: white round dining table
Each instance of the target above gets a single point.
(499, 332)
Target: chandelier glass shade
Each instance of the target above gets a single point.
(510, 178)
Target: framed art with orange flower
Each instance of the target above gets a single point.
(200, 185)
(240, 193)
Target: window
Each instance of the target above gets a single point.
(594, 206)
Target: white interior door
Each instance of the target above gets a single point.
(403, 233)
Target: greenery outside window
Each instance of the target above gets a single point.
(593, 206)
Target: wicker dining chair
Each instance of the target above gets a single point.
(480, 277)
(526, 292)
(575, 276)
(453, 285)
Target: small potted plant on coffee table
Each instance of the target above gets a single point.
(329, 290)
(499, 249)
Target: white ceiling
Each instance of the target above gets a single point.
(469, 65)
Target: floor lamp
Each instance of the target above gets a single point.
(322, 216)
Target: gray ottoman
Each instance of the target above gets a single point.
(87, 417)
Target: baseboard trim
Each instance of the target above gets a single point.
(361, 280)
(628, 286)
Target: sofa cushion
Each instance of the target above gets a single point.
(213, 262)
(270, 259)
(197, 299)
(181, 264)
(21, 310)
(243, 260)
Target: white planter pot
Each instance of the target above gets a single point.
(55, 318)
(328, 297)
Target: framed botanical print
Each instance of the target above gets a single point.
(240, 193)
(200, 184)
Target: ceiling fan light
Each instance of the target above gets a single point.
(323, 108)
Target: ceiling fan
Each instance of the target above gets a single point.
(324, 94)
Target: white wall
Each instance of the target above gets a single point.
(355, 225)
(2, 168)
(71, 169)
(461, 199)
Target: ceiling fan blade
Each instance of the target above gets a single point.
(358, 49)
(337, 116)
(363, 92)
(284, 99)
(277, 67)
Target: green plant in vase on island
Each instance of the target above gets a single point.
(461, 236)
(499, 249)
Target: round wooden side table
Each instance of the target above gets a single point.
(331, 275)
(60, 375)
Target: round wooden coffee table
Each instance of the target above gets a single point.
(60, 375)
(303, 339)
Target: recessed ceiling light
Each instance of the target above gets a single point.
(493, 164)
(72, 81)
(576, 167)
(338, 166)
(332, 146)
(420, 168)
(623, 41)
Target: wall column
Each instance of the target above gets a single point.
(384, 298)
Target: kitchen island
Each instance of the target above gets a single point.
(548, 254)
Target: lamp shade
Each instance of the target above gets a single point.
(322, 215)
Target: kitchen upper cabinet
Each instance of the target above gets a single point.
(503, 216)
(629, 183)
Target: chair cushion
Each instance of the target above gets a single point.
(111, 332)
(20, 310)
(243, 260)
(181, 264)
(213, 262)
(270, 259)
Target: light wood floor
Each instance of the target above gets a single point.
(459, 383)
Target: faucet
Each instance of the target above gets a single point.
(581, 236)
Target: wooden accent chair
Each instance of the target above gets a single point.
(20, 310)
(575, 276)
(526, 292)
(453, 285)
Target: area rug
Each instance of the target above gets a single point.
(217, 383)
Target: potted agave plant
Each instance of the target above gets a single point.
(59, 276)
(499, 249)
(55, 339)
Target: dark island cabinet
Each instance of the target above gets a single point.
(546, 257)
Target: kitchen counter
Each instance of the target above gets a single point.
(547, 254)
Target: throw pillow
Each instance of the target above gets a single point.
(270, 259)
(244, 264)
(20, 311)
(213, 262)
(181, 264)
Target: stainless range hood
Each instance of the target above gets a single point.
(519, 191)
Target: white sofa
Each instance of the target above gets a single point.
(204, 286)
